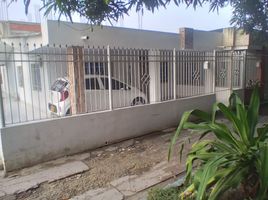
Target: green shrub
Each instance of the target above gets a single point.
(237, 157)
(163, 194)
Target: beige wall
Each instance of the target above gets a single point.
(236, 38)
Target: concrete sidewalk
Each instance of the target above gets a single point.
(128, 187)
(135, 187)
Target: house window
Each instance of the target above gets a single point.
(99, 68)
(20, 76)
(36, 77)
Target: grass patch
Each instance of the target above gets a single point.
(164, 194)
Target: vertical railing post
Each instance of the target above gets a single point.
(2, 117)
(174, 74)
(214, 72)
(231, 71)
(77, 79)
(243, 71)
(109, 78)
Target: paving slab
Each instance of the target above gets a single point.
(144, 194)
(8, 197)
(2, 194)
(130, 185)
(23, 183)
(100, 194)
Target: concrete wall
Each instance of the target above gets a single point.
(31, 143)
(223, 94)
(206, 40)
(232, 37)
(64, 33)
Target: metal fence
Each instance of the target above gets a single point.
(54, 81)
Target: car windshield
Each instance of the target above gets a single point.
(59, 85)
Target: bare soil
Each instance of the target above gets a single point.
(107, 164)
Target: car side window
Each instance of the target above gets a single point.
(116, 85)
(105, 82)
(92, 84)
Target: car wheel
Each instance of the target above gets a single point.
(138, 101)
(68, 112)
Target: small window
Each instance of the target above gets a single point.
(92, 84)
(36, 77)
(20, 76)
(97, 68)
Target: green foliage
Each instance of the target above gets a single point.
(236, 156)
(164, 194)
(252, 16)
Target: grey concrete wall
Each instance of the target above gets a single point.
(223, 94)
(66, 33)
(206, 40)
(28, 144)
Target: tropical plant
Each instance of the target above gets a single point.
(236, 157)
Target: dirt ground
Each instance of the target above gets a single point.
(107, 164)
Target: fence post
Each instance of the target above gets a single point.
(174, 75)
(214, 71)
(243, 71)
(77, 79)
(109, 78)
(3, 124)
(154, 73)
(231, 71)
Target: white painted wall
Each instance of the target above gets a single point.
(66, 33)
(32, 143)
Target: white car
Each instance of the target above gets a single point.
(97, 95)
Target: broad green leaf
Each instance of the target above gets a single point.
(198, 113)
(194, 126)
(184, 119)
(235, 122)
(209, 171)
(262, 168)
(253, 111)
(262, 133)
(233, 178)
(223, 147)
(181, 150)
(224, 134)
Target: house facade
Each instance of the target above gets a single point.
(41, 55)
